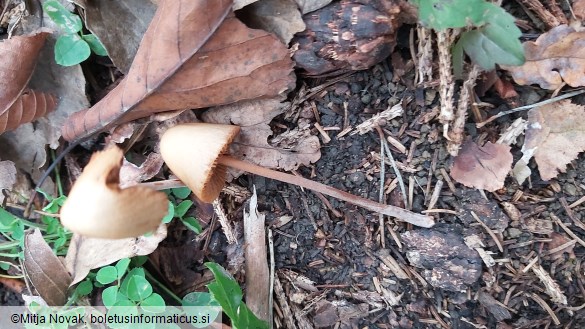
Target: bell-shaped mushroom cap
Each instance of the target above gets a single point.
(191, 150)
(97, 207)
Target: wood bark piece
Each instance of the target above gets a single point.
(18, 104)
(447, 261)
(347, 35)
(187, 60)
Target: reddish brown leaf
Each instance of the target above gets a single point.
(236, 63)
(28, 107)
(17, 105)
(579, 9)
(556, 57)
(482, 167)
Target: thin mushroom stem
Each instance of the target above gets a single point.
(402, 214)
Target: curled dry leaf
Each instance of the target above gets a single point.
(18, 104)
(97, 207)
(556, 57)
(252, 144)
(187, 60)
(555, 136)
(44, 270)
(131, 174)
(482, 167)
(85, 253)
(579, 9)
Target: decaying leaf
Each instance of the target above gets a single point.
(482, 167)
(44, 270)
(555, 136)
(18, 104)
(131, 174)
(26, 146)
(182, 63)
(346, 35)
(7, 177)
(281, 17)
(556, 57)
(252, 144)
(120, 39)
(85, 254)
(579, 9)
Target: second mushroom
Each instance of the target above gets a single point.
(197, 154)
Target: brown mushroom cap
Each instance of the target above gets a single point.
(191, 150)
(97, 207)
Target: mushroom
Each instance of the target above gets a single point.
(195, 152)
(97, 207)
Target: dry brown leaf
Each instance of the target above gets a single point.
(482, 167)
(281, 17)
(85, 254)
(579, 9)
(252, 142)
(556, 57)
(19, 105)
(131, 174)
(44, 270)
(173, 70)
(555, 136)
(7, 177)
(120, 39)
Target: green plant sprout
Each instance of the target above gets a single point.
(73, 47)
(492, 39)
(180, 210)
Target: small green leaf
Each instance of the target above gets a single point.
(181, 192)
(55, 204)
(192, 223)
(182, 208)
(110, 296)
(247, 319)
(95, 44)
(138, 288)
(107, 274)
(122, 267)
(138, 271)
(67, 20)
(153, 304)
(445, 14)
(7, 221)
(199, 299)
(491, 45)
(70, 50)
(84, 288)
(225, 290)
(170, 214)
(138, 261)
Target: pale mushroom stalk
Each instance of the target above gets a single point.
(196, 153)
(389, 210)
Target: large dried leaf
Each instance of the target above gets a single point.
(556, 57)
(482, 167)
(44, 270)
(579, 9)
(236, 63)
(85, 254)
(17, 104)
(252, 143)
(555, 136)
(119, 25)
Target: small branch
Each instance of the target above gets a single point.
(402, 214)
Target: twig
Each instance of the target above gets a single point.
(490, 232)
(272, 274)
(381, 193)
(528, 107)
(566, 229)
(225, 225)
(545, 306)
